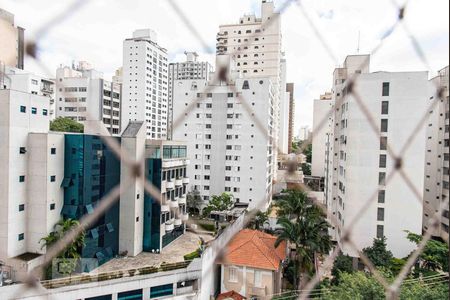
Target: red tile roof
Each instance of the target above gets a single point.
(253, 248)
(230, 295)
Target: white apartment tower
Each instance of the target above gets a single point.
(322, 126)
(12, 45)
(359, 162)
(255, 43)
(31, 161)
(191, 69)
(436, 189)
(228, 152)
(145, 83)
(83, 95)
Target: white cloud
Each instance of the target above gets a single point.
(95, 33)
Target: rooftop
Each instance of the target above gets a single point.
(253, 248)
(173, 253)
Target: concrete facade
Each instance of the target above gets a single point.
(436, 188)
(12, 46)
(359, 162)
(228, 152)
(83, 96)
(145, 83)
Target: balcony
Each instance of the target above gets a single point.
(182, 200)
(173, 204)
(185, 180)
(170, 185)
(178, 222)
(178, 182)
(184, 217)
(165, 208)
(169, 226)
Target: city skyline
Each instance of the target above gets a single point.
(102, 46)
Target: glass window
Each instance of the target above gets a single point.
(52, 178)
(383, 143)
(22, 178)
(384, 125)
(383, 161)
(21, 236)
(23, 109)
(380, 214)
(53, 151)
(232, 274)
(22, 150)
(381, 196)
(384, 107)
(21, 207)
(380, 231)
(52, 206)
(34, 110)
(44, 112)
(386, 87)
(382, 178)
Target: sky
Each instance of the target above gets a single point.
(96, 30)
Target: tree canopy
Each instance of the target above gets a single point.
(66, 125)
(223, 202)
(378, 253)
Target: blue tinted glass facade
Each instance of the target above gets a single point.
(91, 170)
(152, 208)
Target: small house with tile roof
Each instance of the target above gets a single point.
(252, 266)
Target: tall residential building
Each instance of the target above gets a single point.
(191, 69)
(145, 83)
(229, 153)
(290, 90)
(83, 95)
(436, 188)
(321, 139)
(12, 45)
(359, 162)
(256, 45)
(284, 111)
(30, 173)
(304, 133)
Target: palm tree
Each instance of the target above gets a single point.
(304, 226)
(258, 221)
(71, 252)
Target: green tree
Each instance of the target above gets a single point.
(66, 125)
(194, 201)
(72, 252)
(223, 202)
(258, 221)
(434, 256)
(306, 168)
(308, 152)
(342, 264)
(356, 286)
(378, 253)
(303, 224)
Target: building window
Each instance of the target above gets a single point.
(384, 107)
(384, 125)
(386, 87)
(21, 207)
(380, 214)
(52, 206)
(53, 151)
(383, 161)
(232, 274)
(22, 150)
(23, 109)
(383, 143)
(382, 178)
(52, 178)
(380, 231)
(245, 85)
(381, 196)
(258, 278)
(22, 178)
(21, 236)
(44, 112)
(34, 110)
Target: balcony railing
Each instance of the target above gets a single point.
(178, 182)
(173, 203)
(182, 200)
(186, 180)
(177, 222)
(82, 279)
(169, 226)
(170, 185)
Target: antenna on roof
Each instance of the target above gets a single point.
(359, 40)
